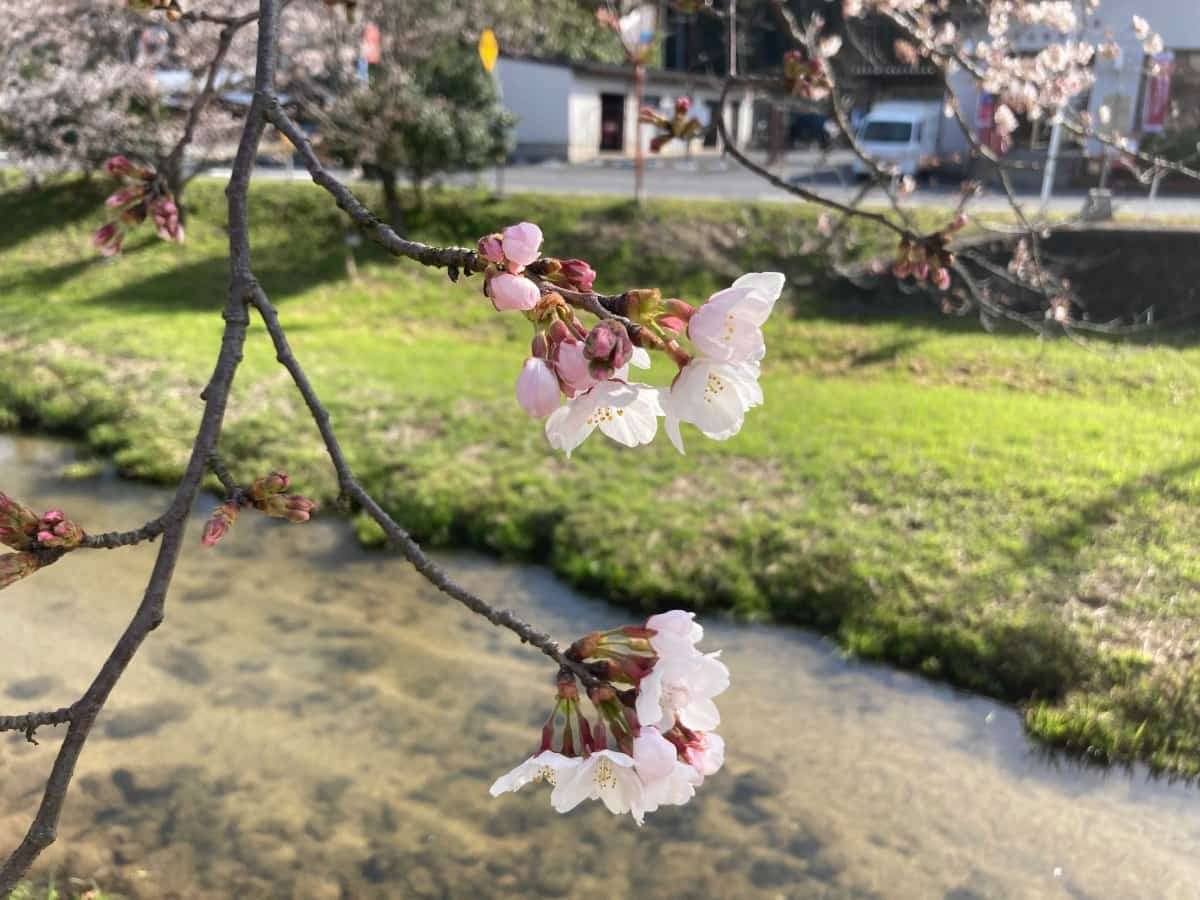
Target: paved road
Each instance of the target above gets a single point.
(714, 178)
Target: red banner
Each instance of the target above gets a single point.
(1156, 104)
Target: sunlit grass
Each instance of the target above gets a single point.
(1013, 515)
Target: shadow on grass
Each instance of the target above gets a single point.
(1057, 544)
(25, 213)
(202, 284)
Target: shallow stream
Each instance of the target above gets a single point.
(314, 721)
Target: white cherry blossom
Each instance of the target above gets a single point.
(546, 766)
(605, 775)
(675, 788)
(713, 396)
(626, 412)
(683, 687)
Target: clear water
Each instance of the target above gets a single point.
(314, 721)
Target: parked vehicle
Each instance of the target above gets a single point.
(914, 135)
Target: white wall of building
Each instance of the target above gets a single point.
(538, 95)
(558, 109)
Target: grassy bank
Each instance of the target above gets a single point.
(1015, 517)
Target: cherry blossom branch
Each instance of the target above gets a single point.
(454, 260)
(42, 832)
(811, 196)
(31, 722)
(409, 548)
(173, 165)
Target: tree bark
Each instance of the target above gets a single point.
(391, 199)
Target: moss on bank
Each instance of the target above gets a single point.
(1013, 517)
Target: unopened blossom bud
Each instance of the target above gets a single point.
(292, 507)
(126, 195)
(18, 523)
(15, 566)
(571, 366)
(682, 106)
(676, 307)
(539, 346)
(574, 274)
(298, 508)
(960, 222)
(607, 348)
(120, 166)
(219, 523)
(56, 531)
(522, 243)
(557, 332)
(166, 219)
(108, 239)
(512, 292)
(941, 278)
(275, 483)
(537, 388)
(491, 249)
(654, 755)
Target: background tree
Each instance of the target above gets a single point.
(440, 114)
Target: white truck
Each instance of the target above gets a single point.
(913, 135)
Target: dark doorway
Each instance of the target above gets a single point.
(710, 136)
(612, 122)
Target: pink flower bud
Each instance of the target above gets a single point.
(512, 292)
(219, 524)
(571, 366)
(55, 530)
(672, 324)
(296, 509)
(921, 270)
(577, 275)
(522, 243)
(53, 516)
(941, 278)
(557, 332)
(108, 239)
(119, 166)
(537, 388)
(683, 106)
(607, 348)
(653, 754)
(491, 249)
(678, 308)
(125, 196)
(166, 219)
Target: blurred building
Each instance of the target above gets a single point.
(583, 111)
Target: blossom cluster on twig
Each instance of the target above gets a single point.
(143, 194)
(36, 539)
(716, 380)
(652, 741)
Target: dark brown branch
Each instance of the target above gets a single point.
(795, 189)
(29, 723)
(43, 830)
(409, 548)
(453, 259)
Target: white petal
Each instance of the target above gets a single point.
(640, 358)
(648, 706)
(708, 677)
(574, 789)
(672, 426)
(768, 284)
(570, 424)
(700, 715)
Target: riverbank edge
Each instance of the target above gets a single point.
(1073, 722)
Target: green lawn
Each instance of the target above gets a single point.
(1014, 516)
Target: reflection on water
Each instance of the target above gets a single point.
(314, 721)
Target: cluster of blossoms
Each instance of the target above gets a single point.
(652, 742)
(714, 387)
(808, 76)
(267, 496)
(680, 126)
(143, 193)
(33, 537)
(930, 257)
